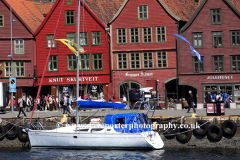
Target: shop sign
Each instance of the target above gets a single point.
(219, 77)
(73, 79)
(65, 89)
(141, 74)
(94, 88)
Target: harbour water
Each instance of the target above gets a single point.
(165, 154)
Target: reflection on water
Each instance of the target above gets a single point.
(167, 154)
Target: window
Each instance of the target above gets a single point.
(197, 66)
(7, 69)
(134, 35)
(122, 61)
(49, 41)
(161, 34)
(1, 20)
(18, 46)
(121, 36)
(147, 35)
(18, 69)
(162, 59)
(83, 38)
(71, 37)
(135, 60)
(71, 63)
(235, 63)
(216, 16)
(123, 88)
(96, 38)
(218, 64)
(85, 61)
(143, 12)
(53, 64)
(97, 62)
(235, 38)
(217, 39)
(70, 17)
(147, 60)
(197, 40)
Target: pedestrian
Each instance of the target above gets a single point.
(69, 103)
(62, 103)
(191, 102)
(65, 108)
(47, 102)
(24, 98)
(50, 100)
(124, 99)
(38, 103)
(219, 97)
(57, 103)
(114, 98)
(27, 109)
(85, 97)
(213, 97)
(10, 104)
(208, 98)
(20, 101)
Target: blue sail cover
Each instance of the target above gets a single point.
(91, 104)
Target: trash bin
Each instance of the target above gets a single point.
(215, 108)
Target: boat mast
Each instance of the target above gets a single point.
(77, 84)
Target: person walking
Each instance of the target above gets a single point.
(57, 103)
(191, 101)
(69, 102)
(20, 101)
(47, 102)
(65, 108)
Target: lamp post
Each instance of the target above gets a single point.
(11, 20)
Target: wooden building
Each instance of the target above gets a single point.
(143, 48)
(214, 31)
(60, 75)
(25, 20)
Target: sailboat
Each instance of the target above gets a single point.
(131, 130)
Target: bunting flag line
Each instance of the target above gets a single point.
(192, 49)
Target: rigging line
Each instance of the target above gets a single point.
(58, 83)
(45, 67)
(93, 72)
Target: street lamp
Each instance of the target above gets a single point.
(11, 20)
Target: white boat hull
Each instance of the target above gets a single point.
(59, 139)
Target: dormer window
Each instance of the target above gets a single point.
(216, 16)
(142, 12)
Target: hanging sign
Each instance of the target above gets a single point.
(12, 84)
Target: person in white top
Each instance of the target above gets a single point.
(28, 104)
(70, 104)
(124, 99)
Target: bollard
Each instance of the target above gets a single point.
(64, 119)
(193, 115)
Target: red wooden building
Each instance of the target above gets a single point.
(143, 49)
(214, 31)
(25, 20)
(60, 76)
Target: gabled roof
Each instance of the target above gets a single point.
(203, 2)
(104, 9)
(178, 9)
(44, 8)
(28, 12)
(54, 7)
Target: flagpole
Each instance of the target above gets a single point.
(77, 84)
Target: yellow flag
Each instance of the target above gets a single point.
(64, 41)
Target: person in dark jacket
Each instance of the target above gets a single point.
(191, 102)
(208, 98)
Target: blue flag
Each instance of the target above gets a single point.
(192, 49)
